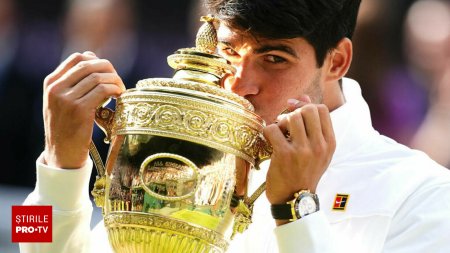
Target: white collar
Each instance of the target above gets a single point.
(351, 122)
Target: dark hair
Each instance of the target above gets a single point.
(323, 23)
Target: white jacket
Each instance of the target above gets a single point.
(398, 200)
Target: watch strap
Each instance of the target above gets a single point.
(281, 212)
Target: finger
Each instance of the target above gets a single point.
(275, 136)
(92, 80)
(283, 125)
(297, 127)
(312, 122)
(67, 64)
(99, 93)
(81, 70)
(327, 126)
(85, 68)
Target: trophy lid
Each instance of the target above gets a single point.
(199, 69)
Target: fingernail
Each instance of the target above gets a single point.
(292, 101)
(90, 53)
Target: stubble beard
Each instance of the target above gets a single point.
(314, 90)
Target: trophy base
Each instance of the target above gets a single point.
(139, 232)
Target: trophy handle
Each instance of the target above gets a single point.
(190, 166)
(103, 118)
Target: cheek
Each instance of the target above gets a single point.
(276, 94)
(283, 86)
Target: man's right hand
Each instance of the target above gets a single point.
(71, 95)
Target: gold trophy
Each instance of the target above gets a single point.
(181, 148)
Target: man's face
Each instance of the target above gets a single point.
(269, 71)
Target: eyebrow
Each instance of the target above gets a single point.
(283, 48)
(268, 48)
(226, 43)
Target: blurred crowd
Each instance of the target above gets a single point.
(402, 61)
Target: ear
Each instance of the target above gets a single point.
(339, 59)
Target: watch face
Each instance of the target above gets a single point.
(304, 205)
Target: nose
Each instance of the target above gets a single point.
(244, 81)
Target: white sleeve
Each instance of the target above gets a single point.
(310, 234)
(68, 192)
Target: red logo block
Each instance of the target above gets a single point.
(31, 224)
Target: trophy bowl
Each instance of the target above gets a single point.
(180, 151)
